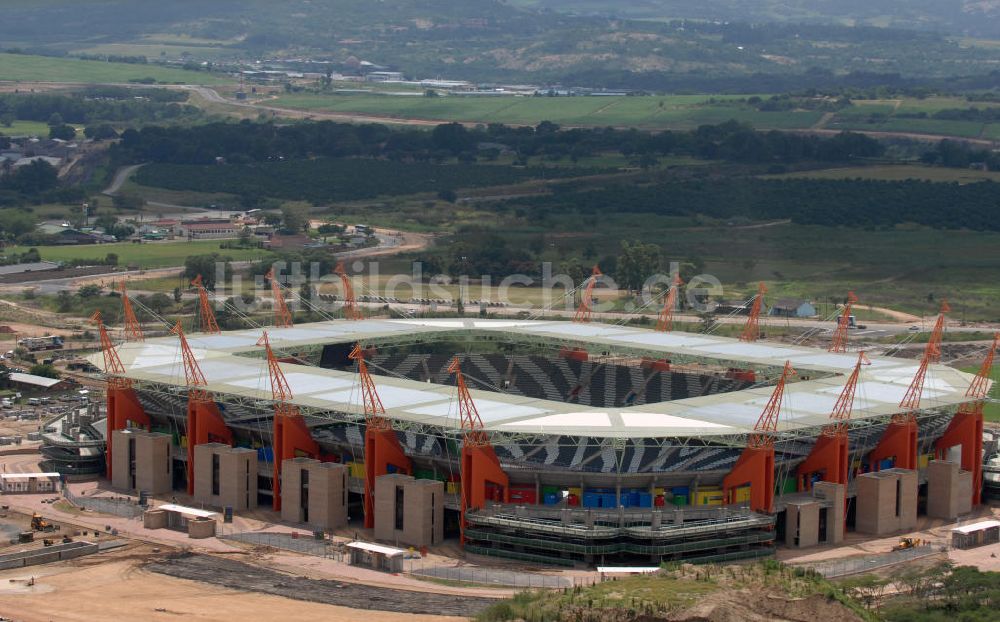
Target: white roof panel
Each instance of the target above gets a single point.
(231, 363)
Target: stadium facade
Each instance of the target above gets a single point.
(615, 439)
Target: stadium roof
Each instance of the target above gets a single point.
(229, 370)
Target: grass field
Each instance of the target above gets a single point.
(679, 111)
(150, 255)
(26, 128)
(657, 112)
(25, 68)
(897, 173)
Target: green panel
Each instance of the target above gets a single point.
(788, 485)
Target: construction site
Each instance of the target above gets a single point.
(565, 443)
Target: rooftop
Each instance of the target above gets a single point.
(232, 364)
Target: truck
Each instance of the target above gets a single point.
(851, 321)
(36, 344)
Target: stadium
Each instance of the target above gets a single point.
(614, 441)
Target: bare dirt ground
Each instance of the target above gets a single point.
(115, 585)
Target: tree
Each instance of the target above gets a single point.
(636, 263)
(159, 302)
(104, 131)
(64, 302)
(55, 119)
(208, 266)
(45, 370)
(89, 291)
(62, 132)
(294, 217)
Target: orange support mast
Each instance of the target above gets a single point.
(829, 455)
(665, 323)
(756, 464)
(899, 441)
(204, 421)
(351, 309)
(840, 335)
(133, 331)
(751, 330)
(208, 323)
(291, 436)
(122, 404)
(582, 315)
(480, 467)
(282, 316)
(966, 427)
(382, 448)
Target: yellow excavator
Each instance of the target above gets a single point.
(40, 524)
(906, 543)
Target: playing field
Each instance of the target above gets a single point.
(897, 172)
(660, 112)
(147, 255)
(25, 128)
(24, 68)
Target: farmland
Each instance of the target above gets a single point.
(26, 68)
(906, 115)
(148, 255)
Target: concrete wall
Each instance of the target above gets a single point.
(423, 510)
(199, 528)
(802, 524)
(237, 476)
(47, 555)
(140, 460)
(154, 519)
(887, 502)
(835, 495)
(949, 490)
(326, 506)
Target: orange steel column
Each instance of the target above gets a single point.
(966, 427)
(829, 455)
(899, 441)
(382, 448)
(291, 439)
(755, 465)
(204, 425)
(479, 463)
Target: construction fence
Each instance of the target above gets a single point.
(125, 507)
(867, 563)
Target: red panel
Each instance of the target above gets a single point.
(481, 472)
(899, 441)
(204, 425)
(123, 406)
(382, 448)
(756, 468)
(966, 429)
(291, 439)
(828, 458)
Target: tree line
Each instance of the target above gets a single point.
(247, 142)
(835, 203)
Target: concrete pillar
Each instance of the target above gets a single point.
(656, 520)
(802, 524)
(325, 488)
(140, 460)
(225, 476)
(420, 521)
(886, 502)
(949, 490)
(835, 496)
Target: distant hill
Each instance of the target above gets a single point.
(977, 18)
(739, 45)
